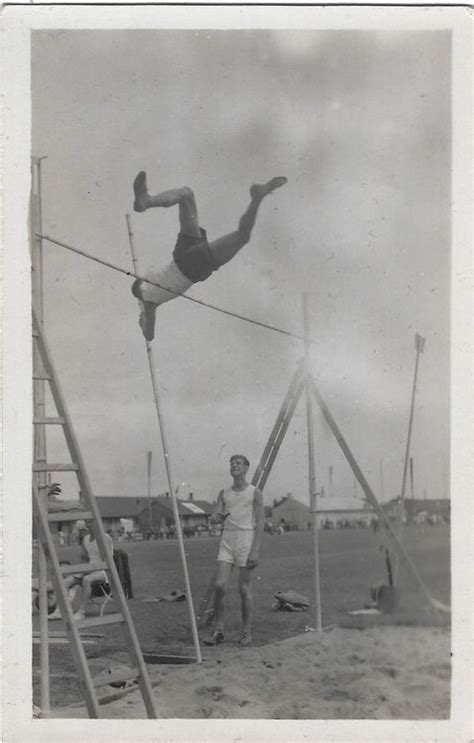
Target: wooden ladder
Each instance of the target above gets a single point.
(90, 512)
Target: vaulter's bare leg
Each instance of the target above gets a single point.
(224, 248)
(183, 197)
(188, 224)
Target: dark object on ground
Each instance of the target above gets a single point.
(174, 660)
(386, 598)
(290, 601)
(170, 597)
(123, 570)
(175, 596)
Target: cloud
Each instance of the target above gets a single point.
(359, 123)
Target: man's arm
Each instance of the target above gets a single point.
(220, 514)
(259, 524)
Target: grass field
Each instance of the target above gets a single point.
(350, 561)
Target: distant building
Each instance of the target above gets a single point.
(291, 513)
(418, 510)
(297, 515)
(114, 510)
(339, 518)
(432, 507)
(158, 515)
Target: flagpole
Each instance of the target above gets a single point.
(419, 346)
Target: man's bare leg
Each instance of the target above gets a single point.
(224, 570)
(183, 197)
(188, 223)
(246, 602)
(225, 248)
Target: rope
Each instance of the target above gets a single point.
(177, 294)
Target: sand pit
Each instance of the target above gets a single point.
(375, 673)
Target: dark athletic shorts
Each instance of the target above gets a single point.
(193, 257)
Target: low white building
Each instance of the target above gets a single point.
(293, 514)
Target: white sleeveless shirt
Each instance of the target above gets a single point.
(240, 506)
(171, 277)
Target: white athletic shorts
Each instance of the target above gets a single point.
(235, 546)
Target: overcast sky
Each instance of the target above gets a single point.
(359, 122)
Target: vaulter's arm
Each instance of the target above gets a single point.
(259, 524)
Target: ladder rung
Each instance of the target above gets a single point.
(40, 467)
(126, 674)
(42, 377)
(35, 334)
(83, 567)
(100, 621)
(71, 516)
(49, 421)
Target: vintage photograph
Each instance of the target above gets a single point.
(241, 245)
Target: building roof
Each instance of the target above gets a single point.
(291, 504)
(185, 508)
(124, 507)
(194, 508)
(120, 508)
(204, 505)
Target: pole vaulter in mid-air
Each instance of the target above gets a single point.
(194, 258)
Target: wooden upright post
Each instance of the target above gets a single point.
(311, 466)
(39, 430)
(148, 472)
(172, 491)
(419, 346)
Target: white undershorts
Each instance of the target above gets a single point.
(235, 546)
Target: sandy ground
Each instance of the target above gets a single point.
(374, 673)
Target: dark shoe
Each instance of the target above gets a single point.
(214, 639)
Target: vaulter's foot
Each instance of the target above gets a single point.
(147, 319)
(259, 191)
(147, 312)
(141, 192)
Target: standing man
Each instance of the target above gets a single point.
(240, 508)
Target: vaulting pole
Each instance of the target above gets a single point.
(311, 466)
(39, 430)
(164, 443)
